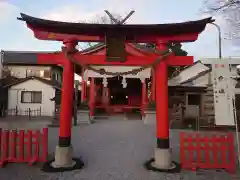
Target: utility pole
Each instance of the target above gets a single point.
(219, 40)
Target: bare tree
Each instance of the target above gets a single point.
(222, 5)
(229, 11)
(100, 19)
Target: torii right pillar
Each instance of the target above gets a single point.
(162, 155)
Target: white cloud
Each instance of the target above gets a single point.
(80, 13)
(146, 12)
(6, 11)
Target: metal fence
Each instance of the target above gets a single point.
(28, 112)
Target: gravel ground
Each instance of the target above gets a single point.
(111, 150)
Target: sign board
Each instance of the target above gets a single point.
(223, 91)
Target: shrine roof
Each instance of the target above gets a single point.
(100, 46)
(123, 29)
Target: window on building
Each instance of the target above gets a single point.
(41, 73)
(47, 74)
(28, 72)
(38, 73)
(31, 97)
(194, 99)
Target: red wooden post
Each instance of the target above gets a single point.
(84, 88)
(5, 148)
(37, 144)
(92, 96)
(191, 149)
(29, 145)
(66, 105)
(153, 86)
(21, 146)
(13, 138)
(208, 150)
(232, 154)
(143, 103)
(182, 147)
(44, 145)
(162, 102)
(163, 152)
(198, 147)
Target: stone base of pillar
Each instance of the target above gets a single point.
(63, 161)
(162, 162)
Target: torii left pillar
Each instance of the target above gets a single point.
(63, 155)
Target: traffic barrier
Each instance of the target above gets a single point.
(213, 151)
(22, 146)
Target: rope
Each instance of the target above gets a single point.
(162, 55)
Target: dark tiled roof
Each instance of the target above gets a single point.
(9, 80)
(126, 30)
(238, 84)
(19, 57)
(52, 83)
(101, 45)
(30, 57)
(94, 47)
(186, 88)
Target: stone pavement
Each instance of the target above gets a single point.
(23, 122)
(111, 150)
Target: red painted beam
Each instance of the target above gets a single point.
(180, 61)
(59, 58)
(43, 35)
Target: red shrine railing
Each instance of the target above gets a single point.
(199, 151)
(22, 146)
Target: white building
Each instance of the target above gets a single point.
(201, 74)
(195, 75)
(32, 95)
(30, 86)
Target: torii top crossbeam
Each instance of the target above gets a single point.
(84, 32)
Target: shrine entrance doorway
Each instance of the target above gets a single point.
(129, 95)
(118, 94)
(119, 99)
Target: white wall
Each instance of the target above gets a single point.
(234, 70)
(20, 71)
(48, 92)
(203, 80)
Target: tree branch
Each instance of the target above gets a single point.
(225, 6)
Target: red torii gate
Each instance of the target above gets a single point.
(72, 33)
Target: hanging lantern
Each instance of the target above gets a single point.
(124, 82)
(105, 82)
(142, 79)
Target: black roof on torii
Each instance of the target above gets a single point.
(124, 29)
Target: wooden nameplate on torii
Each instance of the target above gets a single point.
(115, 47)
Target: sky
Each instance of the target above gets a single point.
(14, 35)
